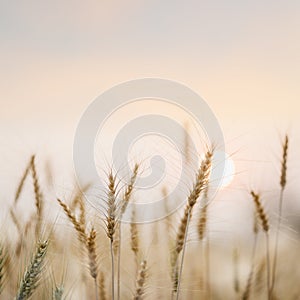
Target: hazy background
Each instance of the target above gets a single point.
(241, 56)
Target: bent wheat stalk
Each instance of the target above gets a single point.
(200, 184)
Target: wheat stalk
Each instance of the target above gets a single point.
(22, 181)
(202, 233)
(125, 201)
(200, 184)
(282, 185)
(247, 291)
(265, 225)
(111, 224)
(38, 196)
(129, 189)
(15, 221)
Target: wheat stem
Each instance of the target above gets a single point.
(247, 292)
(207, 256)
(22, 181)
(112, 271)
(183, 253)
(96, 289)
(119, 262)
(268, 265)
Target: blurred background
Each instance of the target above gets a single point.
(241, 57)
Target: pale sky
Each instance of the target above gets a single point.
(230, 52)
(242, 57)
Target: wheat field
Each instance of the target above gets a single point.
(72, 250)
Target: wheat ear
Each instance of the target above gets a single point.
(265, 225)
(111, 224)
(111, 216)
(77, 225)
(140, 282)
(202, 223)
(246, 294)
(58, 293)
(285, 147)
(134, 235)
(129, 189)
(91, 246)
(236, 281)
(38, 196)
(3, 260)
(200, 184)
(32, 275)
(125, 201)
(82, 217)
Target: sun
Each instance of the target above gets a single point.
(225, 166)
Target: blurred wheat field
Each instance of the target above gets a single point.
(86, 253)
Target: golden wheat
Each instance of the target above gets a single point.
(32, 276)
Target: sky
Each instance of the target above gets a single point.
(242, 57)
(230, 52)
